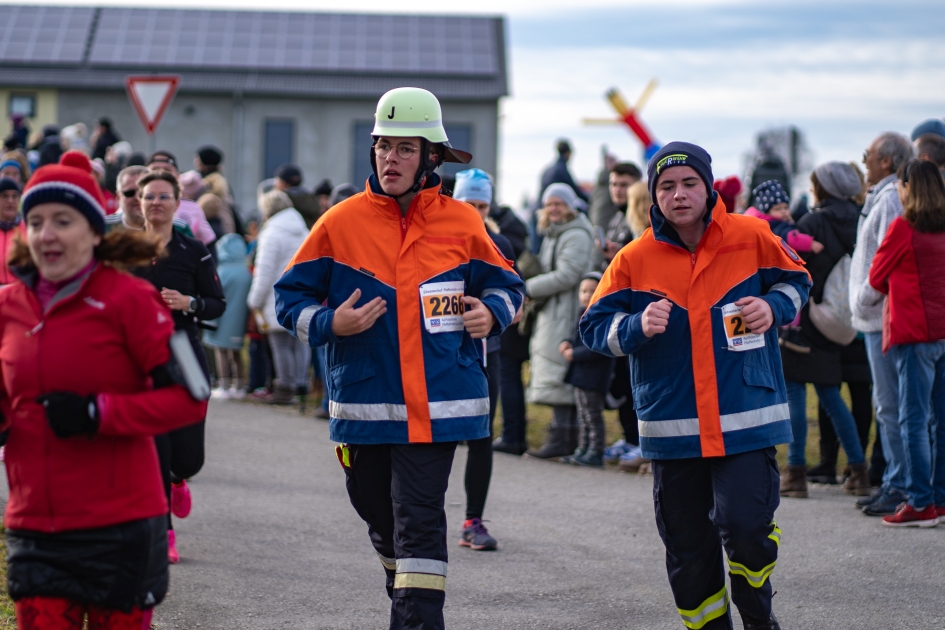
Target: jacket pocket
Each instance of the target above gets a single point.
(468, 352)
(352, 372)
(759, 377)
(645, 394)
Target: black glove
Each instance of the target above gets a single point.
(70, 414)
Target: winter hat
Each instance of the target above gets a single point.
(191, 185)
(69, 182)
(679, 154)
(290, 174)
(7, 163)
(162, 156)
(932, 125)
(324, 188)
(563, 192)
(342, 192)
(838, 179)
(769, 194)
(8, 184)
(473, 185)
(210, 155)
(728, 190)
(596, 276)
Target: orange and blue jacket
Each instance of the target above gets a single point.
(695, 394)
(416, 375)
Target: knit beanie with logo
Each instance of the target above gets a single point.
(70, 182)
(679, 154)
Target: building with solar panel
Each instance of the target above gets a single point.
(266, 87)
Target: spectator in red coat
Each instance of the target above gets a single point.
(84, 387)
(909, 266)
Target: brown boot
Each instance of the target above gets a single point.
(794, 482)
(858, 483)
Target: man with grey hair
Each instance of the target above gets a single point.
(882, 159)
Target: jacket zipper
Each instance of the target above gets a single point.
(37, 332)
(692, 258)
(403, 229)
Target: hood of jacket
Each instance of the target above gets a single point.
(580, 222)
(287, 221)
(231, 249)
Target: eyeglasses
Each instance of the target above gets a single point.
(404, 151)
(128, 194)
(162, 197)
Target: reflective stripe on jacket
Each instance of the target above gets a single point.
(401, 381)
(695, 397)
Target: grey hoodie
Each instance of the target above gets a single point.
(881, 207)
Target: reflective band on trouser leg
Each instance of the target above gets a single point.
(755, 578)
(389, 563)
(775, 534)
(420, 573)
(712, 608)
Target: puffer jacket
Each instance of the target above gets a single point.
(235, 279)
(280, 237)
(416, 375)
(566, 255)
(693, 395)
(909, 267)
(101, 334)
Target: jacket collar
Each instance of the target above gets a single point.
(387, 204)
(663, 230)
(28, 275)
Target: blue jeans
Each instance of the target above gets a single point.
(921, 390)
(840, 416)
(886, 400)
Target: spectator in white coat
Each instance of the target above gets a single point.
(281, 235)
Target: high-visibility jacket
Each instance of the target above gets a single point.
(416, 375)
(698, 394)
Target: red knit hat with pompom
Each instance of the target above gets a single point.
(70, 182)
(728, 189)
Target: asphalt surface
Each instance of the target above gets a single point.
(273, 543)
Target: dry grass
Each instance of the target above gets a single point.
(7, 618)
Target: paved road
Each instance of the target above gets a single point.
(273, 543)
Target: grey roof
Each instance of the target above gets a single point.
(330, 54)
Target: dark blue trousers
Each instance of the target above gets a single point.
(704, 505)
(399, 491)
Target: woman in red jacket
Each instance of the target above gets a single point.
(909, 266)
(85, 387)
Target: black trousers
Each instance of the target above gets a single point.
(181, 454)
(704, 505)
(399, 491)
(512, 395)
(479, 459)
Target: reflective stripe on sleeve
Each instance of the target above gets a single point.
(712, 608)
(613, 335)
(755, 578)
(791, 292)
(505, 298)
(398, 413)
(730, 422)
(305, 322)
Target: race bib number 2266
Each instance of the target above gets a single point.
(737, 333)
(443, 307)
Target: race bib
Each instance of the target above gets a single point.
(443, 306)
(737, 333)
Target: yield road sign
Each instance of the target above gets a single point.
(151, 96)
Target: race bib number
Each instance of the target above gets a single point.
(443, 306)
(737, 333)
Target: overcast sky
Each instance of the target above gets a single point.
(841, 71)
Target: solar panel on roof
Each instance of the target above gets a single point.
(44, 34)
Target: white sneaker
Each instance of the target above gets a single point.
(220, 394)
(237, 393)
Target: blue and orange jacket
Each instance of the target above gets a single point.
(406, 379)
(694, 397)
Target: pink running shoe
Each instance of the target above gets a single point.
(172, 556)
(181, 501)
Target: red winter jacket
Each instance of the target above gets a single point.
(909, 266)
(101, 334)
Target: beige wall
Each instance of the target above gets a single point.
(47, 103)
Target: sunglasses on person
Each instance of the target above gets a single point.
(128, 194)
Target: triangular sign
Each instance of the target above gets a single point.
(151, 96)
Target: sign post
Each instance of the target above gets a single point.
(151, 96)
